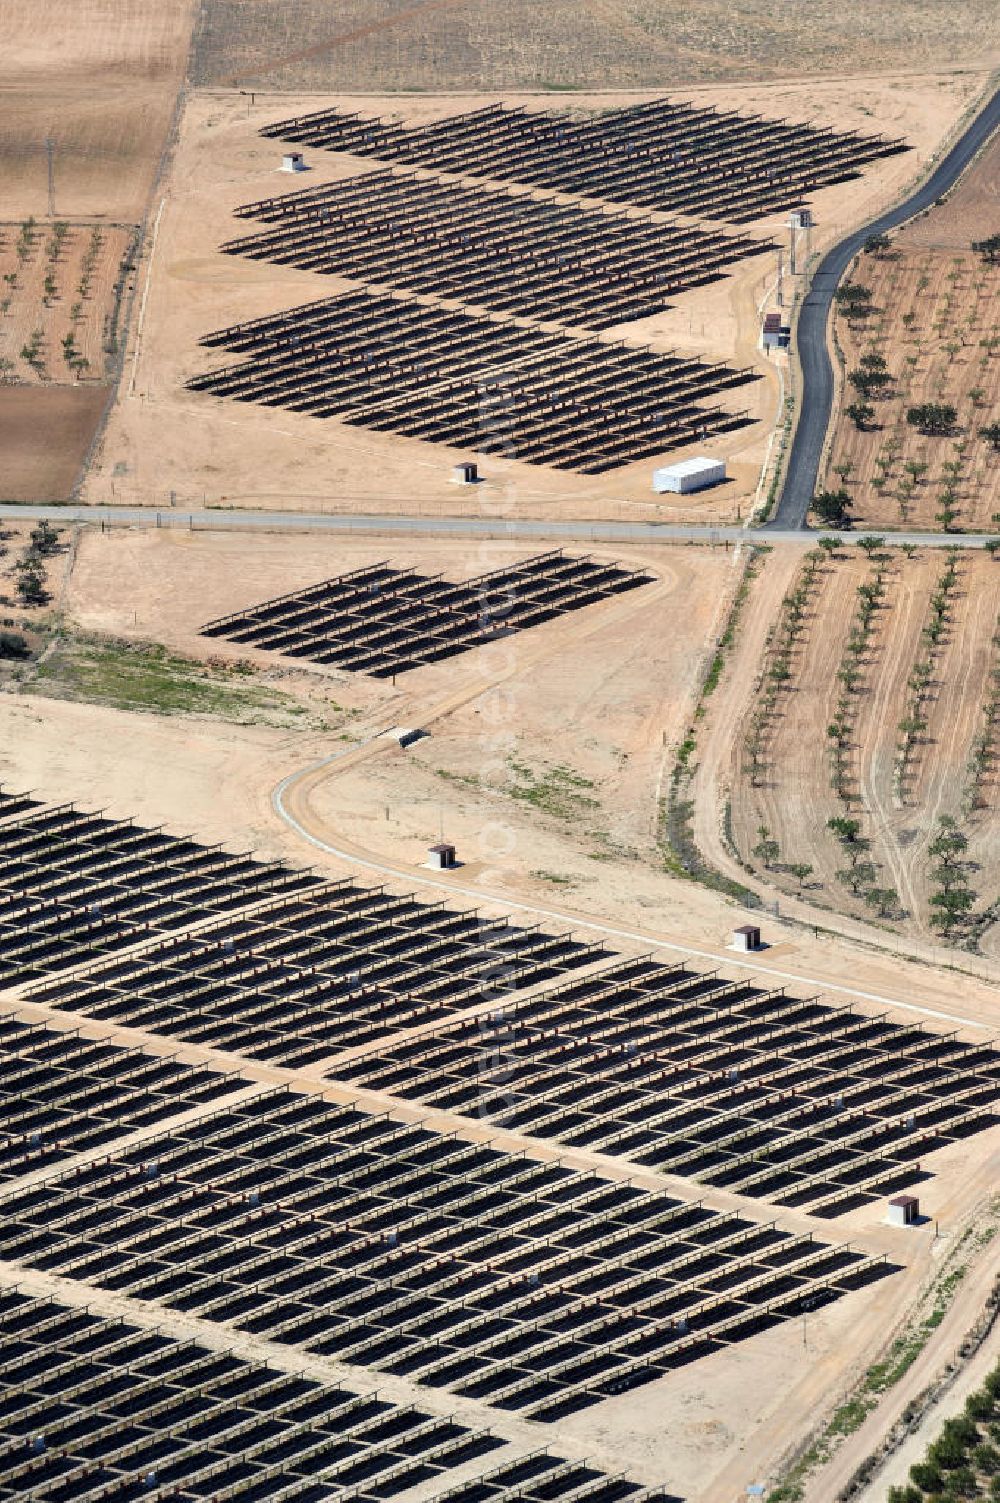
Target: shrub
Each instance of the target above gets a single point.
(832, 507)
(13, 645)
(989, 248)
(862, 413)
(44, 538)
(932, 418)
(979, 1406)
(926, 1475)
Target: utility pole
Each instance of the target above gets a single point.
(49, 149)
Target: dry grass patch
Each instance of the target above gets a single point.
(301, 44)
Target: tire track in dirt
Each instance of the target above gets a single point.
(960, 680)
(881, 714)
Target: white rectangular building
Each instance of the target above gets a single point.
(689, 475)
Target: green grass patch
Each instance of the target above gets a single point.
(142, 676)
(557, 790)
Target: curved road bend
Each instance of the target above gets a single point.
(399, 871)
(527, 529)
(814, 355)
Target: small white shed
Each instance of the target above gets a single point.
(904, 1210)
(689, 475)
(442, 857)
(746, 938)
(293, 161)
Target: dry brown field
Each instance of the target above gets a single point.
(100, 79)
(936, 323)
(45, 434)
(245, 454)
(920, 739)
(453, 44)
(969, 212)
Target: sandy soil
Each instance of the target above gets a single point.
(294, 44)
(231, 453)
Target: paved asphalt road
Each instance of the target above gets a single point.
(482, 527)
(817, 372)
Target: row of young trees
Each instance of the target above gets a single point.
(986, 743)
(964, 1461)
(861, 874)
(920, 681)
(30, 568)
(776, 673)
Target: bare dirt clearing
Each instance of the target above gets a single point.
(593, 45)
(45, 434)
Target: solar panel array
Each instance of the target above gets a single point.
(444, 376)
(342, 1231)
(454, 1264)
(61, 1094)
(92, 1408)
(382, 620)
(659, 154)
(75, 886)
(319, 972)
(538, 259)
(734, 1084)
